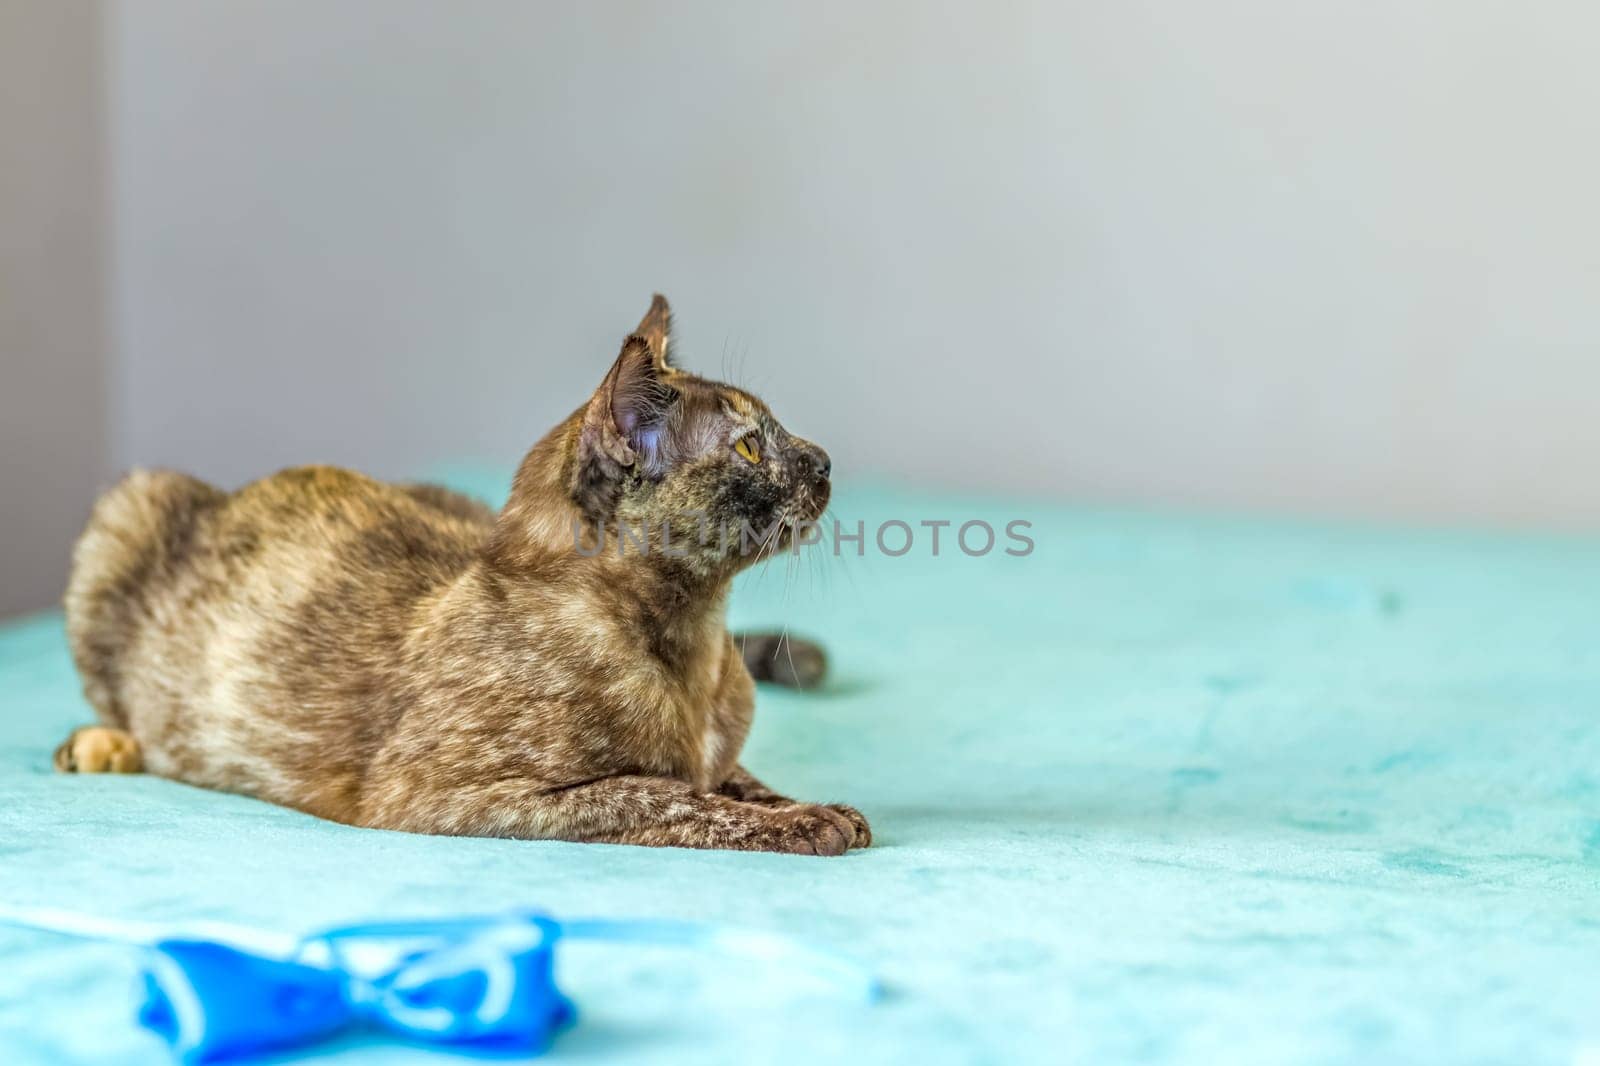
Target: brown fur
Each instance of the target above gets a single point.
(401, 657)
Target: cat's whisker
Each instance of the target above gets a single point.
(769, 544)
(812, 568)
(788, 649)
(826, 547)
(838, 556)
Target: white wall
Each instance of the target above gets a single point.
(1327, 256)
(53, 446)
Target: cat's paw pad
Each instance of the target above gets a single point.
(858, 823)
(812, 829)
(97, 749)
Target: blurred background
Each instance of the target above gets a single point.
(1318, 258)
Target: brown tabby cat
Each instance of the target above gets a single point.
(401, 657)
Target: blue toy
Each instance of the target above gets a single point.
(482, 985)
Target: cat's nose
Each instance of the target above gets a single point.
(813, 460)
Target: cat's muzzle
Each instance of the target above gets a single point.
(813, 473)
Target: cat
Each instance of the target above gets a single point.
(402, 657)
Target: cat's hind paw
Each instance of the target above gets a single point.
(98, 749)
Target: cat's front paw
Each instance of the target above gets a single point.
(812, 829)
(858, 822)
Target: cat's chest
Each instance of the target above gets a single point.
(605, 698)
(713, 718)
(644, 717)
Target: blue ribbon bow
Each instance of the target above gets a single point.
(478, 984)
(484, 985)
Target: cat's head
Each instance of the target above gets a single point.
(658, 448)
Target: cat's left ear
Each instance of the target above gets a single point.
(622, 429)
(656, 330)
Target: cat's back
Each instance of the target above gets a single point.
(179, 590)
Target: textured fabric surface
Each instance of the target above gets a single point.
(1169, 789)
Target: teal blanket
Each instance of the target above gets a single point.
(1169, 789)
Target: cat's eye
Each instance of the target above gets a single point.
(747, 447)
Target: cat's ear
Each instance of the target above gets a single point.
(656, 329)
(638, 394)
(622, 428)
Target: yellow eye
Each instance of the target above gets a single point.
(747, 447)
